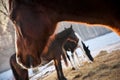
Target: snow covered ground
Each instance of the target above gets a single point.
(107, 42)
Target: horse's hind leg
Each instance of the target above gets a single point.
(74, 61)
(18, 72)
(58, 67)
(78, 59)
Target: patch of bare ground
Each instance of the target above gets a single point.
(105, 67)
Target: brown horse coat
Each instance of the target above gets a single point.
(36, 20)
(53, 51)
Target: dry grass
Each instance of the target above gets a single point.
(105, 67)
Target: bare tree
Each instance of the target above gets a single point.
(5, 9)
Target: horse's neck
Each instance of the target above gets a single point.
(61, 37)
(61, 41)
(52, 39)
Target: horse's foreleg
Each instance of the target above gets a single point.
(18, 72)
(58, 67)
(73, 68)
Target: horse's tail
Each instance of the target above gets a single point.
(65, 58)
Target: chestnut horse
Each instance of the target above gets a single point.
(53, 51)
(36, 20)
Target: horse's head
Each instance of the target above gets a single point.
(72, 36)
(68, 34)
(70, 45)
(33, 29)
(87, 51)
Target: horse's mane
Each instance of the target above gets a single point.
(64, 33)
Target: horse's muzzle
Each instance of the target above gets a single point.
(28, 62)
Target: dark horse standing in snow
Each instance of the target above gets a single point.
(36, 20)
(53, 51)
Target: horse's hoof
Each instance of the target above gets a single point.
(63, 78)
(73, 68)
